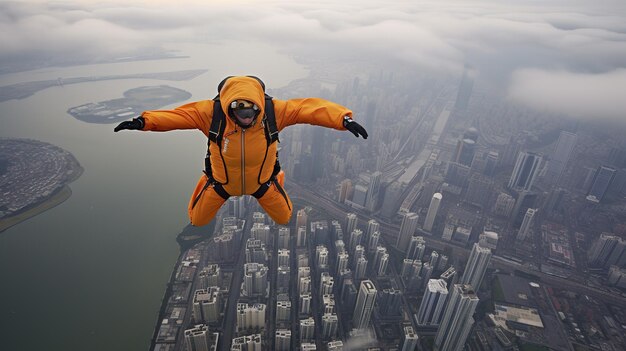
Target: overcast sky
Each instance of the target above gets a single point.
(564, 56)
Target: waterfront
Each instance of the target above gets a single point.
(93, 270)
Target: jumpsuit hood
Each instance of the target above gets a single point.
(242, 88)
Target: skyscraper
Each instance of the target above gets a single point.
(601, 182)
(476, 266)
(432, 211)
(601, 249)
(307, 329)
(465, 149)
(391, 200)
(197, 338)
(364, 305)
(527, 224)
(433, 303)
(560, 156)
(525, 171)
(330, 324)
(283, 339)
(457, 319)
(409, 339)
(351, 222)
(407, 229)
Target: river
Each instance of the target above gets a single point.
(89, 274)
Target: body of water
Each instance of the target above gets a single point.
(90, 273)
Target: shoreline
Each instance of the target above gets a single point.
(59, 197)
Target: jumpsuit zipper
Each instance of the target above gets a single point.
(243, 161)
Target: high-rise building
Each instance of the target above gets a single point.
(409, 339)
(283, 311)
(330, 324)
(372, 243)
(351, 223)
(488, 240)
(433, 303)
(360, 269)
(255, 251)
(465, 90)
(335, 345)
(250, 316)
(356, 237)
(302, 218)
(342, 262)
(504, 205)
(308, 346)
(465, 149)
(602, 248)
(209, 276)
(364, 305)
(301, 238)
(197, 338)
(255, 279)
(373, 190)
(207, 305)
(525, 171)
(282, 279)
(457, 319)
(435, 202)
(417, 248)
(407, 229)
(560, 156)
(247, 343)
(307, 329)
(283, 237)
(345, 190)
(372, 227)
(283, 340)
(389, 302)
(304, 285)
(476, 266)
(326, 284)
(305, 304)
(391, 201)
(321, 257)
(601, 182)
(283, 257)
(527, 224)
(261, 232)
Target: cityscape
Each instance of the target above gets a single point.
(485, 211)
(449, 230)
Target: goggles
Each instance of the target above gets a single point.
(244, 109)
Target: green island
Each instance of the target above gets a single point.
(134, 102)
(34, 178)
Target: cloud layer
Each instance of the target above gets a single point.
(524, 44)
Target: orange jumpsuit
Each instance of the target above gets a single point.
(245, 162)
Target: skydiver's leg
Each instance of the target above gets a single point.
(276, 203)
(204, 203)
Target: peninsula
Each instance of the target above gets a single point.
(34, 177)
(132, 104)
(26, 89)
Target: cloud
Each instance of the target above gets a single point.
(497, 39)
(582, 95)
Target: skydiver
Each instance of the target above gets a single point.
(242, 156)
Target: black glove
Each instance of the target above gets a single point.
(354, 127)
(135, 123)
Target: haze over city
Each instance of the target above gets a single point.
(485, 211)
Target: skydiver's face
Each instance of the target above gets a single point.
(245, 112)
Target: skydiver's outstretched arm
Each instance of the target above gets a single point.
(195, 115)
(316, 111)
